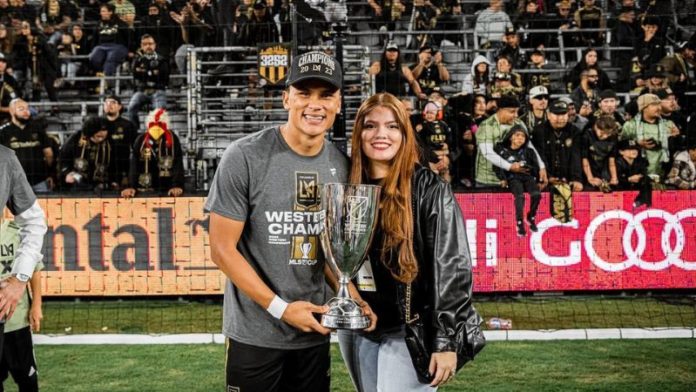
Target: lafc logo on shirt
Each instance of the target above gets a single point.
(307, 189)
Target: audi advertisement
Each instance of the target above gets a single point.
(609, 245)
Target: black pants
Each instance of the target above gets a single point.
(18, 360)
(252, 368)
(518, 187)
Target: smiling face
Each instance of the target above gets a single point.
(312, 106)
(381, 136)
(517, 139)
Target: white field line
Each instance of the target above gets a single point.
(499, 335)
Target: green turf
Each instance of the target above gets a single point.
(170, 316)
(628, 365)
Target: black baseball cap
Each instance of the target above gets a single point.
(558, 107)
(114, 97)
(315, 65)
(508, 101)
(664, 93)
(627, 145)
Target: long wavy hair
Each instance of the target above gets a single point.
(396, 210)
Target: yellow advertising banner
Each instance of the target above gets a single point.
(118, 247)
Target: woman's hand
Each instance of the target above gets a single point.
(367, 311)
(443, 367)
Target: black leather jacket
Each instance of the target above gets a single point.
(441, 293)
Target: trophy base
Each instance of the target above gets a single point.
(344, 313)
(344, 322)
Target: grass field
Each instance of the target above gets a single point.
(625, 365)
(171, 316)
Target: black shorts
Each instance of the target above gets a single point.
(251, 368)
(18, 360)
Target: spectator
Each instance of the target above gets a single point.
(491, 23)
(17, 351)
(157, 163)
(478, 81)
(454, 20)
(491, 132)
(435, 140)
(197, 29)
(5, 12)
(464, 106)
(158, 24)
(655, 79)
(150, 76)
(670, 111)
(9, 90)
(7, 40)
(387, 12)
(22, 12)
(122, 134)
(260, 28)
(624, 36)
(125, 11)
(512, 49)
(680, 68)
(86, 158)
(504, 64)
(502, 85)
(608, 105)
(651, 133)
(430, 71)
(556, 140)
(392, 76)
(75, 44)
(587, 90)
(589, 61)
(538, 103)
(539, 63)
(479, 110)
(53, 20)
(574, 117)
(632, 171)
(564, 21)
(532, 19)
(683, 172)
(649, 48)
(598, 151)
(111, 40)
(27, 138)
(589, 16)
(514, 148)
(35, 57)
(425, 18)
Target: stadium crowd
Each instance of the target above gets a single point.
(595, 124)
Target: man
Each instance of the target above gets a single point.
(122, 134)
(512, 49)
(17, 196)
(555, 139)
(260, 28)
(680, 67)
(651, 133)
(537, 63)
(655, 79)
(574, 118)
(589, 16)
(538, 102)
(608, 105)
(430, 72)
(151, 77)
(624, 36)
(649, 48)
(32, 146)
(491, 24)
(263, 216)
(491, 132)
(670, 110)
(587, 90)
(9, 90)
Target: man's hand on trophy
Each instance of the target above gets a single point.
(367, 311)
(300, 314)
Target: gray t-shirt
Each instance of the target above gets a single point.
(276, 192)
(15, 191)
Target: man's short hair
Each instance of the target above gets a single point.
(146, 36)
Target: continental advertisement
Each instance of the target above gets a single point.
(159, 246)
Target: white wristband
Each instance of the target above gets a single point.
(277, 307)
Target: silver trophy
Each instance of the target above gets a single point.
(350, 215)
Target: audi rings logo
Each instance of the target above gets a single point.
(634, 254)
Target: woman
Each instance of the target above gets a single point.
(86, 158)
(478, 80)
(504, 64)
(589, 61)
(392, 76)
(419, 259)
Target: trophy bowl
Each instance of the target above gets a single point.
(350, 215)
